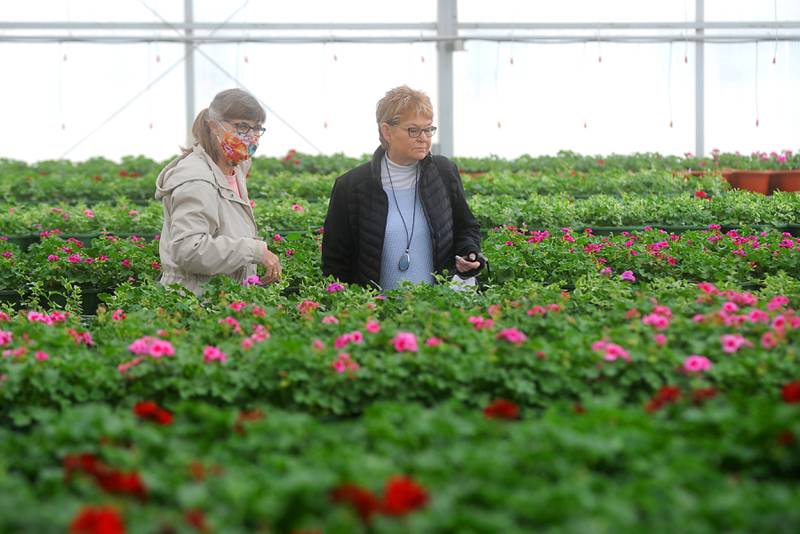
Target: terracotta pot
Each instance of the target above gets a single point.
(755, 181)
(786, 181)
(728, 175)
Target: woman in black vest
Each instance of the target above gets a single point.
(402, 216)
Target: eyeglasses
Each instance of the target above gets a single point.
(413, 131)
(243, 128)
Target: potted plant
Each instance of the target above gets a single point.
(787, 177)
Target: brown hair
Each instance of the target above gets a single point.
(398, 101)
(230, 104)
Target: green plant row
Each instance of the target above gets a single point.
(56, 264)
(286, 349)
(731, 208)
(72, 187)
(729, 464)
(742, 257)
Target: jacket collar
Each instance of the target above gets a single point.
(219, 176)
(377, 161)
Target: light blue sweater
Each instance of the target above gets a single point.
(394, 242)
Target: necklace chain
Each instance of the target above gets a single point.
(397, 205)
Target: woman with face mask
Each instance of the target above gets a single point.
(209, 227)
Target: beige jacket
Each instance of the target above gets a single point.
(208, 229)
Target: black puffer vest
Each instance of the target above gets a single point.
(352, 244)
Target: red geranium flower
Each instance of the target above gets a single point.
(701, 194)
(501, 409)
(97, 520)
(196, 519)
(363, 500)
(701, 395)
(245, 417)
(86, 463)
(402, 496)
(791, 392)
(151, 411)
(786, 438)
(665, 395)
(114, 481)
(109, 479)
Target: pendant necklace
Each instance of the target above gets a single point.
(405, 259)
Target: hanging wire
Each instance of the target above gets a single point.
(149, 79)
(756, 86)
(669, 84)
(121, 109)
(61, 85)
(775, 49)
(233, 78)
(583, 68)
(146, 88)
(497, 86)
(683, 32)
(326, 95)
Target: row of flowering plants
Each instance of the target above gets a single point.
(741, 256)
(58, 265)
(730, 208)
(696, 461)
(335, 350)
(311, 177)
(561, 257)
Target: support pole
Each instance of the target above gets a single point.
(447, 25)
(699, 82)
(188, 15)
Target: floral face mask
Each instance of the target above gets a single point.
(238, 147)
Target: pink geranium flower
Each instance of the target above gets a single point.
(628, 276)
(657, 321)
(213, 354)
(730, 307)
(660, 339)
(317, 344)
(777, 302)
(480, 323)
(733, 342)
(254, 280)
(350, 337)
(373, 327)
(512, 335)
(161, 348)
(118, 315)
(433, 341)
(405, 342)
(768, 340)
(696, 364)
(231, 322)
(41, 356)
(611, 351)
(237, 305)
(330, 319)
(151, 346)
(334, 287)
(307, 306)
(6, 337)
(343, 363)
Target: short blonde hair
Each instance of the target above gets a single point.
(396, 102)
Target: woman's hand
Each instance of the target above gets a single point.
(469, 263)
(272, 265)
